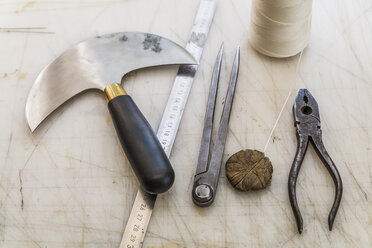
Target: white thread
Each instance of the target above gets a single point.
(280, 28)
(285, 102)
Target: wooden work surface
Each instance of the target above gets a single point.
(69, 184)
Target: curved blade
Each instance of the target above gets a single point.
(96, 63)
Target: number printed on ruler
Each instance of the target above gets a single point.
(138, 227)
(173, 112)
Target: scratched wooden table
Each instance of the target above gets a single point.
(70, 185)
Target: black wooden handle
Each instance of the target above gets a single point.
(142, 147)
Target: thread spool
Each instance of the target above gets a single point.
(280, 28)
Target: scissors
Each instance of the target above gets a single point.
(207, 171)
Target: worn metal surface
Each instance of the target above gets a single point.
(209, 165)
(95, 64)
(308, 129)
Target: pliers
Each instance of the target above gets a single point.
(308, 128)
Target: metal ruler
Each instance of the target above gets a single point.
(140, 215)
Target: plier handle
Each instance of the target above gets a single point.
(308, 128)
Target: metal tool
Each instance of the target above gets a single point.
(100, 63)
(140, 215)
(308, 128)
(206, 175)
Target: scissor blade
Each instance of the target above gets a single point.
(205, 144)
(219, 145)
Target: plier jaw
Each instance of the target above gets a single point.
(307, 122)
(306, 113)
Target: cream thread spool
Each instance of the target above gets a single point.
(280, 28)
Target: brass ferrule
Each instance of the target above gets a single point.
(114, 90)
